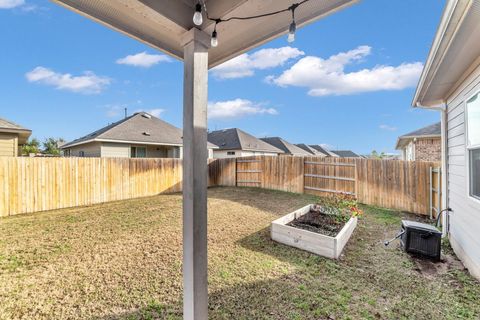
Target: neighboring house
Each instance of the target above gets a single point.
(450, 83)
(237, 143)
(12, 137)
(346, 154)
(323, 150)
(310, 150)
(421, 145)
(138, 136)
(287, 147)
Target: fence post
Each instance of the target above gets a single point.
(356, 178)
(430, 192)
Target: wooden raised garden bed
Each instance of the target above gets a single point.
(291, 230)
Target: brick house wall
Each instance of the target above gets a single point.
(428, 149)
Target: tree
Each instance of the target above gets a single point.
(376, 155)
(51, 146)
(32, 146)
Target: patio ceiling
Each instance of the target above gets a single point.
(162, 23)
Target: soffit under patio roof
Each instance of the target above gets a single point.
(161, 23)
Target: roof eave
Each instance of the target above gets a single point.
(14, 130)
(445, 34)
(69, 145)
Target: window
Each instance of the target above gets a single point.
(138, 152)
(230, 153)
(81, 153)
(475, 173)
(473, 144)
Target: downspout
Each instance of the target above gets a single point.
(442, 107)
(444, 141)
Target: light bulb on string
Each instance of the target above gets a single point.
(197, 16)
(293, 26)
(291, 32)
(214, 40)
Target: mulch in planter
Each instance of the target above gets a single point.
(319, 222)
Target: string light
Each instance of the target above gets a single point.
(293, 25)
(291, 32)
(197, 16)
(214, 40)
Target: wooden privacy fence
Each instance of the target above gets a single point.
(38, 184)
(330, 176)
(400, 185)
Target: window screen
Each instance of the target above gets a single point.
(473, 144)
(475, 173)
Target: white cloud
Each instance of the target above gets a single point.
(236, 109)
(143, 59)
(10, 4)
(325, 77)
(88, 83)
(387, 127)
(245, 65)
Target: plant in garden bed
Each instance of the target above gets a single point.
(329, 215)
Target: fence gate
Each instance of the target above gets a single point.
(435, 191)
(327, 176)
(249, 172)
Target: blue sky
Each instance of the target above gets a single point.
(347, 81)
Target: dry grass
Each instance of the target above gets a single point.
(123, 260)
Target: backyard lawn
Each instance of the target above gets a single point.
(122, 260)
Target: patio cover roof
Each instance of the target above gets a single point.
(162, 23)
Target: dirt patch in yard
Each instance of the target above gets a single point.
(432, 269)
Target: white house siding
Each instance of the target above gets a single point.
(115, 150)
(258, 153)
(220, 154)
(465, 219)
(92, 149)
(410, 152)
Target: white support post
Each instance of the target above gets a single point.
(195, 90)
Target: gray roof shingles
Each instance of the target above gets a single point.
(236, 139)
(140, 127)
(9, 125)
(323, 150)
(286, 146)
(433, 130)
(309, 149)
(346, 154)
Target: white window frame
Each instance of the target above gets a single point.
(468, 148)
